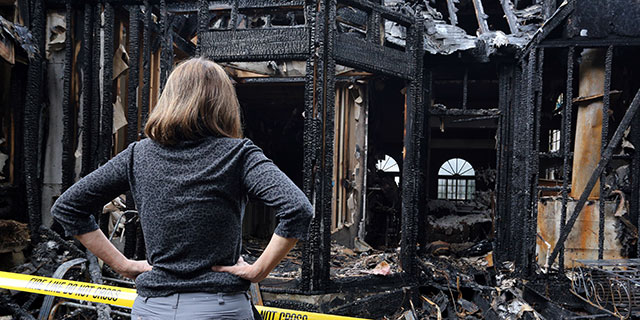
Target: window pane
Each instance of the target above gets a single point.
(462, 189)
(451, 189)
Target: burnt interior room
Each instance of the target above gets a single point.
(462, 150)
(385, 159)
(272, 116)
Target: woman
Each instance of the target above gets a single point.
(190, 183)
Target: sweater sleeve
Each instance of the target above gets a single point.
(74, 209)
(263, 180)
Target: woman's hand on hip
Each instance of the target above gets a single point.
(132, 268)
(243, 270)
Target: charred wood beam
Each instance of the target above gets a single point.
(501, 221)
(182, 6)
(440, 110)
(507, 7)
(272, 80)
(106, 120)
(548, 7)
(604, 161)
(605, 136)
(519, 163)
(96, 98)
(133, 77)
(177, 6)
(451, 7)
(529, 216)
(87, 78)
(566, 145)
(132, 91)
(557, 20)
(185, 46)
(255, 44)
(412, 171)
(481, 16)
(68, 135)
(233, 21)
(310, 132)
(535, 161)
(326, 109)
(465, 88)
(370, 57)
(591, 43)
(166, 41)
(32, 121)
(373, 27)
(146, 66)
(203, 23)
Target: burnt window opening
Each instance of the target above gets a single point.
(554, 140)
(222, 18)
(389, 166)
(456, 180)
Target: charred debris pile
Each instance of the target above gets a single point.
(452, 283)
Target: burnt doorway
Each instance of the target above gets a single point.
(273, 119)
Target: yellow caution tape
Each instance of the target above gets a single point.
(116, 296)
(123, 297)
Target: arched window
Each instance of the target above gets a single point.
(456, 180)
(389, 165)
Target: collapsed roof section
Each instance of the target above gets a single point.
(474, 29)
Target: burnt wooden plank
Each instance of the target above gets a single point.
(256, 44)
(367, 56)
(245, 4)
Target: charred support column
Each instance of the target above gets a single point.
(311, 125)
(412, 170)
(106, 120)
(166, 62)
(87, 92)
(96, 97)
(132, 119)
(530, 154)
(324, 113)
(133, 78)
(203, 22)
(140, 251)
(566, 144)
(588, 136)
(606, 99)
(68, 140)
(146, 66)
(32, 114)
(537, 93)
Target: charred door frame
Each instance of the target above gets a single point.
(322, 47)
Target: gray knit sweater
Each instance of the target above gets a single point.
(191, 199)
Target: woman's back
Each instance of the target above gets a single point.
(191, 198)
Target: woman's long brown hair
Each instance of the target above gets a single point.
(198, 100)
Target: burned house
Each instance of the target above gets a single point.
(503, 129)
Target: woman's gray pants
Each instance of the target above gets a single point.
(197, 305)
